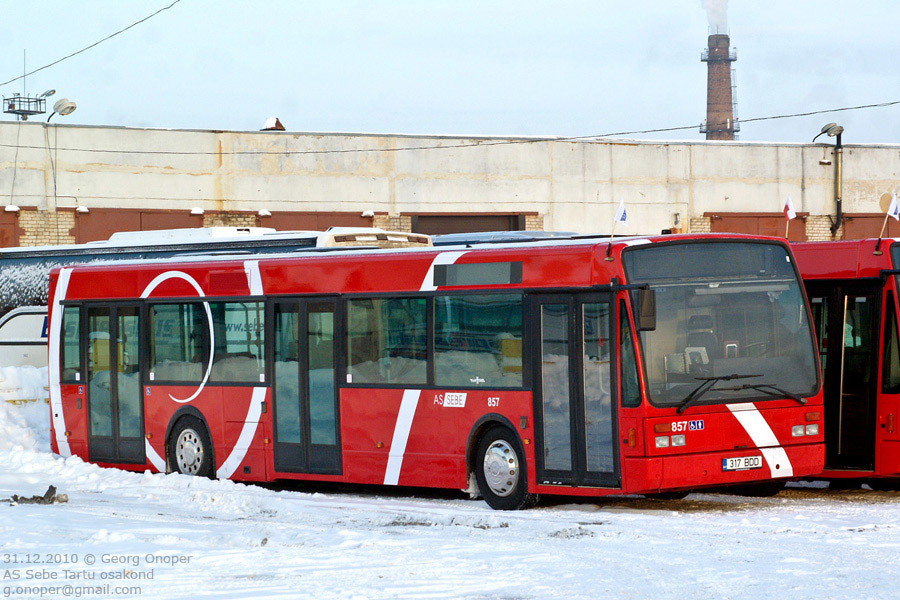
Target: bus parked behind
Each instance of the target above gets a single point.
(852, 288)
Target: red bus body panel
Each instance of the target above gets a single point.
(439, 442)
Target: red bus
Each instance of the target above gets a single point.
(852, 287)
(575, 367)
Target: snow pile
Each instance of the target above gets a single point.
(23, 383)
(25, 427)
(190, 537)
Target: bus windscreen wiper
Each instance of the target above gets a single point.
(767, 388)
(708, 383)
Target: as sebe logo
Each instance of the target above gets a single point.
(451, 399)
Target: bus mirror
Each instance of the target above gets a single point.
(645, 309)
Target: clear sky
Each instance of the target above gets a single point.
(468, 67)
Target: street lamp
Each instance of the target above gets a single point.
(63, 107)
(835, 130)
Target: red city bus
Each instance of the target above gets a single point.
(575, 367)
(852, 287)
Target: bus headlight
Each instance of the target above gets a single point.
(662, 441)
(798, 430)
(812, 429)
(678, 440)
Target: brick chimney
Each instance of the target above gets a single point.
(721, 120)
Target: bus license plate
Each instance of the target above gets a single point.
(742, 463)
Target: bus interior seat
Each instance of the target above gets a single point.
(511, 355)
(700, 335)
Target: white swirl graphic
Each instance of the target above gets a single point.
(185, 277)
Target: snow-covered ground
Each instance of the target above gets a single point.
(23, 383)
(179, 537)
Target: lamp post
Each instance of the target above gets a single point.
(835, 130)
(63, 107)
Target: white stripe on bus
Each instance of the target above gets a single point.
(411, 397)
(154, 458)
(251, 423)
(254, 278)
(212, 341)
(239, 451)
(401, 435)
(759, 431)
(59, 421)
(445, 258)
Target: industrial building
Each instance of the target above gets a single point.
(73, 184)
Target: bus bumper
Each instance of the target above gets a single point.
(690, 471)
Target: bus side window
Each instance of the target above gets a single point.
(70, 348)
(386, 341)
(177, 348)
(478, 339)
(890, 376)
(238, 355)
(631, 390)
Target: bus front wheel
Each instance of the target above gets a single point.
(190, 450)
(500, 471)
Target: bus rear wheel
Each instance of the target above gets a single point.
(500, 471)
(190, 450)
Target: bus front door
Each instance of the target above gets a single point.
(575, 418)
(305, 390)
(846, 316)
(115, 408)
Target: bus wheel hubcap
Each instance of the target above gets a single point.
(189, 452)
(501, 468)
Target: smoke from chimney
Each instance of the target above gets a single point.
(717, 14)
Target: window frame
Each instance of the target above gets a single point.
(890, 327)
(265, 301)
(343, 306)
(522, 321)
(626, 329)
(80, 350)
(430, 338)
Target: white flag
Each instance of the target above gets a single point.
(621, 215)
(893, 211)
(789, 212)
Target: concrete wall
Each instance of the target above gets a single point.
(573, 186)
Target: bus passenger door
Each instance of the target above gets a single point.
(305, 391)
(115, 408)
(575, 418)
(846, 319)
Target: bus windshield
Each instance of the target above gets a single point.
(730, 314)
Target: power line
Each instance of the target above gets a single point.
(56, 62)
(503, 142)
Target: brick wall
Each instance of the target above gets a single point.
(700, 225)
(818, 229)
(45, 228)
(393, 222)
(534, 222)
(230, 220)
